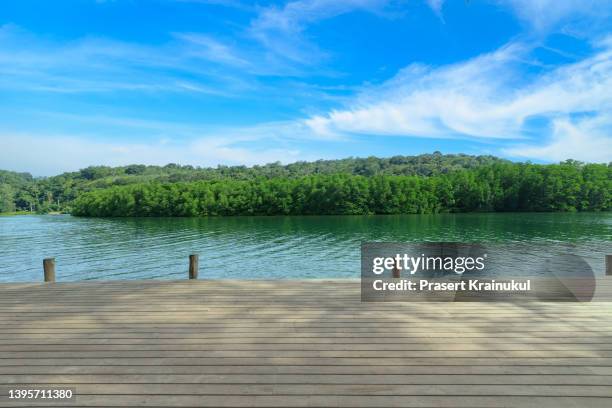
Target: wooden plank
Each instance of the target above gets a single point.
(383, 348)
(362, 401)
(271, 353)
(369, 343)
(290, 329)
(295, 311)
(297, 379)
(209, 317)
(299, 343)
(348, 361)
(270, 369)
(276, 327)
(287, 316)
(359, 389)
(551, 336)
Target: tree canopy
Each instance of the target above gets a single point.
(21, 191)
(426, 183)
(495, 187)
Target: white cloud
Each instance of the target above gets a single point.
(489, 97)
(544, 15)
(460, 99)
(136, 140)
(212, 49)
(281, 29)
(586, 140)
(436, 6)
(53, 154)
(295, 14)
(90, 64)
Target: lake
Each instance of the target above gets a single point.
(266, 247)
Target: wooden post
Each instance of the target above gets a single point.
(49, 268)
(396, 270)
(193, 266)
(609, 265)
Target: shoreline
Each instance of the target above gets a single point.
(16, 213)
(449, 213)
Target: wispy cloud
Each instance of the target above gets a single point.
(91, 64)
(274, 44)
(187, 62)
(112, 140)
(49, 154)
(457, 100)
(544, 15)
(208, 48)
(586, 139)
(486, 97)
(436, 6)
(281, 29)
(495, 97)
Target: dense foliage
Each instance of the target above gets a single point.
(400, 184)
(20, 191)
(15, 191)
(501, 186)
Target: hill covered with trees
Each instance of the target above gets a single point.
(399, 185)
(494, 187)
(21, 191)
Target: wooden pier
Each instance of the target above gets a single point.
(204, 343)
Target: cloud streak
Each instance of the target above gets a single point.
(281, 29)
(486, 97)
(505, 98)
(544, 15)
(49, 154)
(187, 62)
(587, 140)
(148, 141)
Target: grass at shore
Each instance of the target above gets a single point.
(10, 213)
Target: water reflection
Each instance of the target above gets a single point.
(263, 247)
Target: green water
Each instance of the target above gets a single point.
(266, 247)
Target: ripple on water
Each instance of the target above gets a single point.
(265, 247)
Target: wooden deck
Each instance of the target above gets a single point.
(298, 343)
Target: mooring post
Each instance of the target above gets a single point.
(609, 265)
(49, 268)
(396, 270)
(193, 266)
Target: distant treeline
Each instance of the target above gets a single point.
(21, 191)
(498, 186)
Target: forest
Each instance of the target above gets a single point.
(22, 192)
(429, 183)
(569, 186)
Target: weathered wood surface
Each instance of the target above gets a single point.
(49, 269)
(298, 343)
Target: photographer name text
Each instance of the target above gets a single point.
(464, 285)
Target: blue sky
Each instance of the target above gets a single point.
(207, 82)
